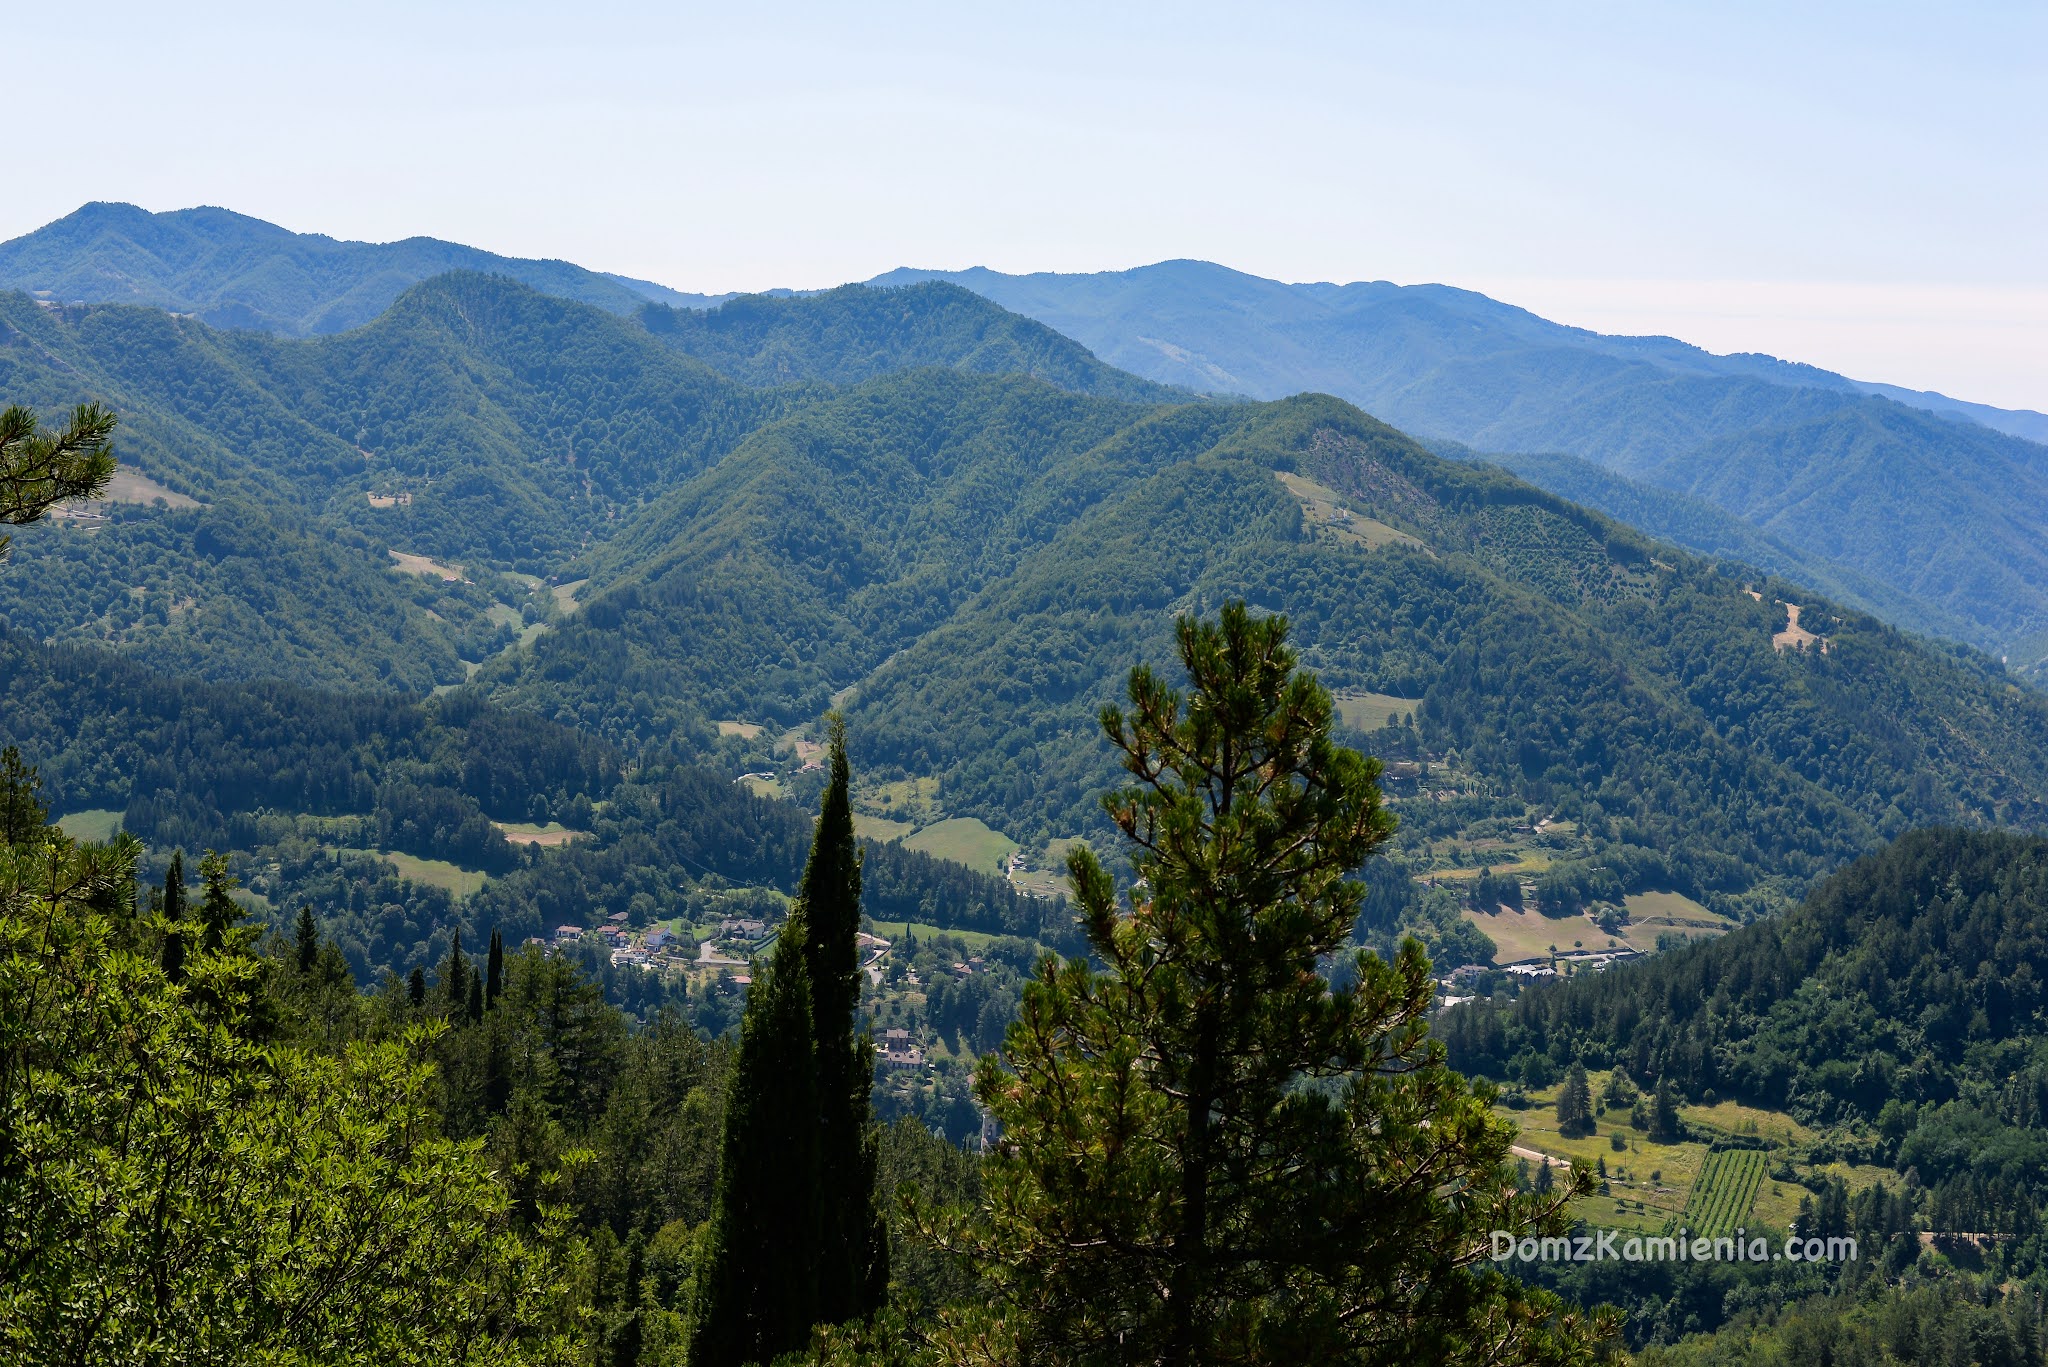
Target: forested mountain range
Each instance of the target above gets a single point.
(240, 272)
(1917, 507)
(1935, 500)
(965, 562)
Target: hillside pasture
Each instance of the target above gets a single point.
(1519, 935)
(1363, 711)
(964, 840)
(426, 567)
(92, 825)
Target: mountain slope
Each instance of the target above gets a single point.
(1928, 954)
(972, 593)
(857, 333)
(240, 272)
(476, 426)
(1942, 512)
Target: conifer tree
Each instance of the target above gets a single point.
(474, 1007)
(308, 940)
(1575, 1104)
(454, 975)
(1209, 1152)
(1664, 1123)
(173, 955)
(853, 1256)
(220, 914)
(416, 987)
(757, 1289)
(39, 470)
(494, 970)
(22, 813)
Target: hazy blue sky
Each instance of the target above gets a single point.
(1864, 187)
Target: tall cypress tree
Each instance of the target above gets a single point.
(173, 958)
(308, 940)
(455, 976)
(853, 1253)
(494, 970)
(757, 1292)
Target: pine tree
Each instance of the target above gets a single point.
(1209, 1152)
(22, 813)
(220, 914)
(757, 1289)
(1575, 1104)
(853, 1254)
(474, 1007)
(1664, 1124)
(173, 956)
(39, 471)
(416, 987)
(494, 971)
(308, 937)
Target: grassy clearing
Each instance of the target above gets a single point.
(1362, 711)
(1324, 508)
(565, 595)
(504, 616)
(1519, 935)
(132, 486)
(892, 931)
(763, 787)
(880, 828)
(453, 879)
(92, 825)
(964, 840)
(1652, 914)
(1724, 1193)
(915, 800)
(745, 730)
(1735, 1118)
(425, 567)
(527, 833)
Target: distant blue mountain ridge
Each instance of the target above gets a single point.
(1929, 511)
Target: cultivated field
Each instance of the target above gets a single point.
(1724, 1192)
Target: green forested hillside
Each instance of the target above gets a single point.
(1899, 1011)
(477, 424)
(856, 333)
(240, 272)
(1557, 659)
(294, 779)
(1933, 500)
